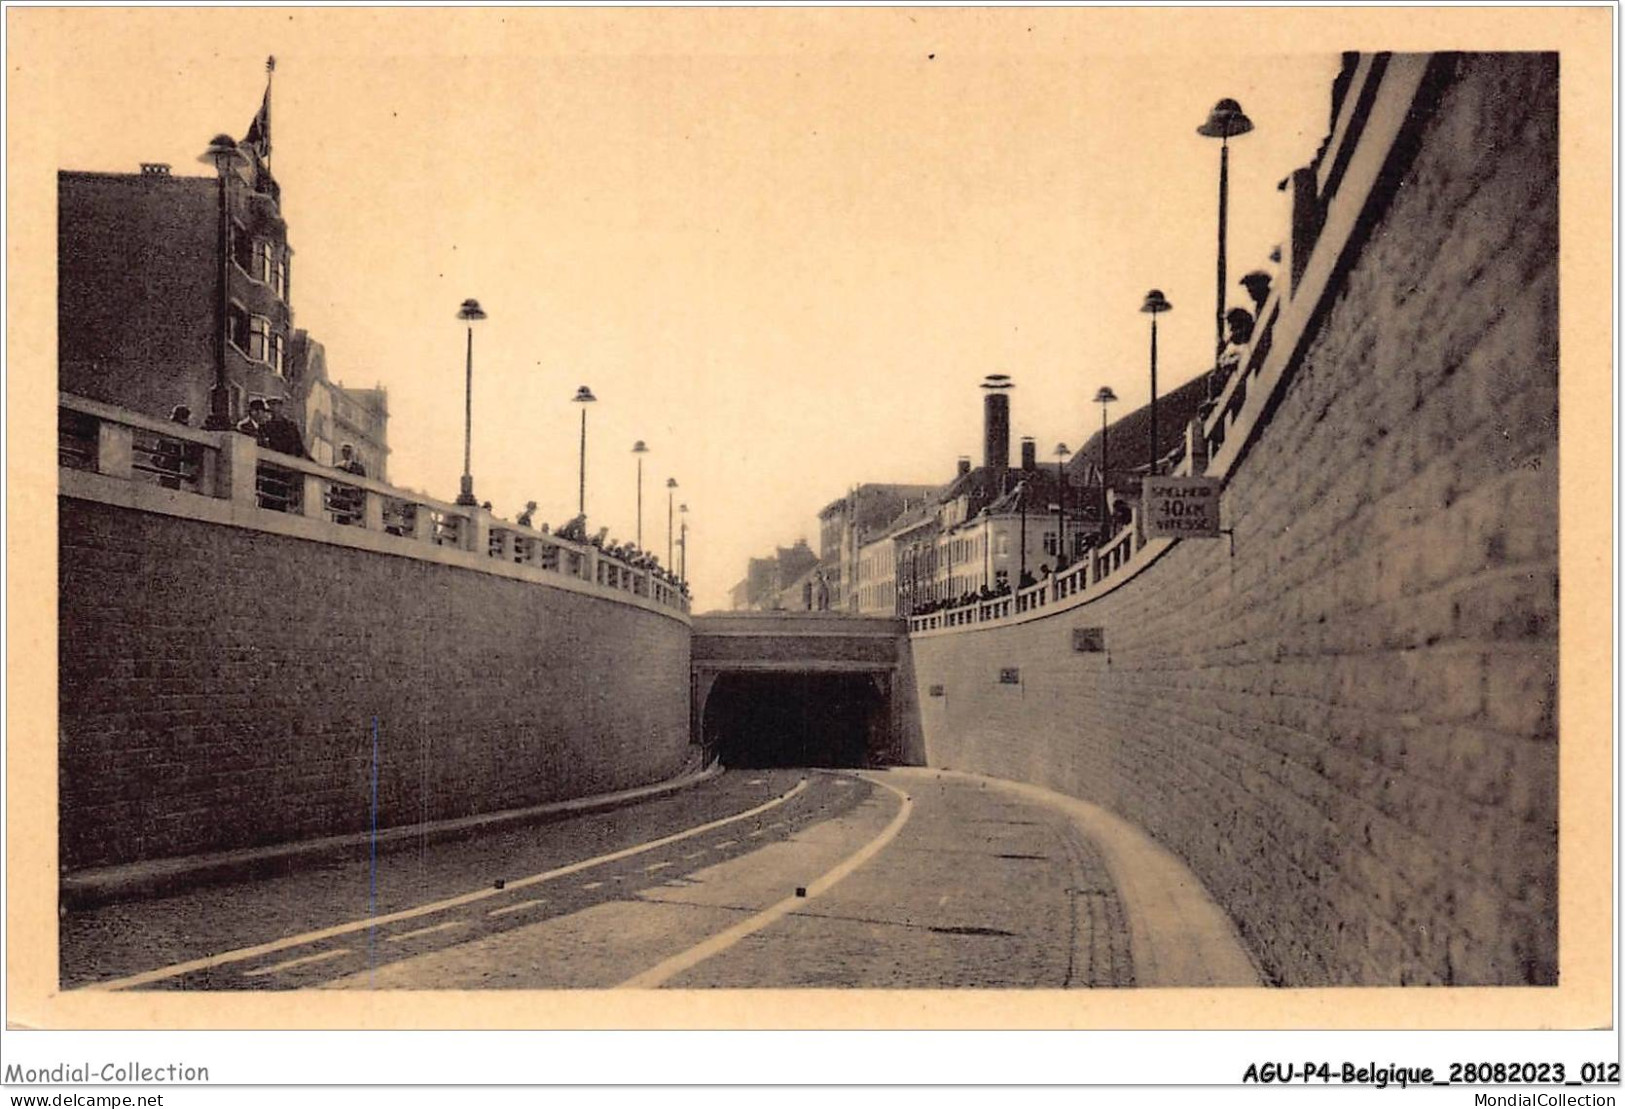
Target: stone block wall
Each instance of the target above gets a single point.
(1347, 727)
(220, 689)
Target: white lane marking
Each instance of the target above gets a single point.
(506, 909)
(652, 867)
(757, 782)
(753, 835)
(243, 953)
(683, 960)
(724, 843)
(319, 957)
(592, 885)
(778, 824)
(693, 855)
(842, 783)
(404, 936)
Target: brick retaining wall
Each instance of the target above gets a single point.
(219, 685)
(1347, 727)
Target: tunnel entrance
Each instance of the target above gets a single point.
(790, 719)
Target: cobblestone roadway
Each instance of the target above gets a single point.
(979, 888)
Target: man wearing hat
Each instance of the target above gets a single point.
(254, 423)
(280, 433)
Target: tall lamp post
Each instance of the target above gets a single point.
(583, 397)
(682, 544)
(224, 155)
(468, 313)
(1021, 506)
(671, 485)
(1224, 122)
(640, 450)
(1103, 398)
(1061, 454)
(1155, 303)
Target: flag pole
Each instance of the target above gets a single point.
(270, 72)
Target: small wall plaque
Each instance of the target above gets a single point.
(1088, 639)
(1010, 675)
(936, 691)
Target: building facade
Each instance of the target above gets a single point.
(333, 415)
(141, 322)
(168, 285)
(847, 524)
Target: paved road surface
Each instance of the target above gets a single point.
(907, 878)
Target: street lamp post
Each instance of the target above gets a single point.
(223, 154)
(468, 313)
(1021, 505)
(583, 397)
(671, 484)
(1225, 121)
(1103, 398)
(1155, 303)
(640, 450)
(1061, 453)
(682, 544)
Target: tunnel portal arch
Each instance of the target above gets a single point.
(797, 718)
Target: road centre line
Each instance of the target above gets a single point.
(506, 909)
(414, 934)
(319, 957)
(664, 971)
(244, 953)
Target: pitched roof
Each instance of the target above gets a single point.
(1129, 436)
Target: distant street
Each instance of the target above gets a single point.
(908, 879)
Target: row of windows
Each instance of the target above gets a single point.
(256, 338)
(262, 260)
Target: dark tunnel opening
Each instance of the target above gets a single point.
(773, 720)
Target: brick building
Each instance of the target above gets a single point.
(141, 319)
(846, 524)
(138, 301)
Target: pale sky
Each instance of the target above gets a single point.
(782, 246)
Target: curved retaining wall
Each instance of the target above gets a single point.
(219, 687)
(1347, 726)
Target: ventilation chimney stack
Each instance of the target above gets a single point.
(964, 465)
(1029, 454)
(996, 423)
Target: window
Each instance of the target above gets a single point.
(237, 327)
(1049, 542)
(259, 338)
(1004, 543)
(261, 268)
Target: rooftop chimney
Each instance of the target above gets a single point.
(964, 465)
(1029, 454)
(996, 423)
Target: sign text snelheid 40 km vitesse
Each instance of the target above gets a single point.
(1181, 507)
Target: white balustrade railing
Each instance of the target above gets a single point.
(227, 466)
(1092, 569)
